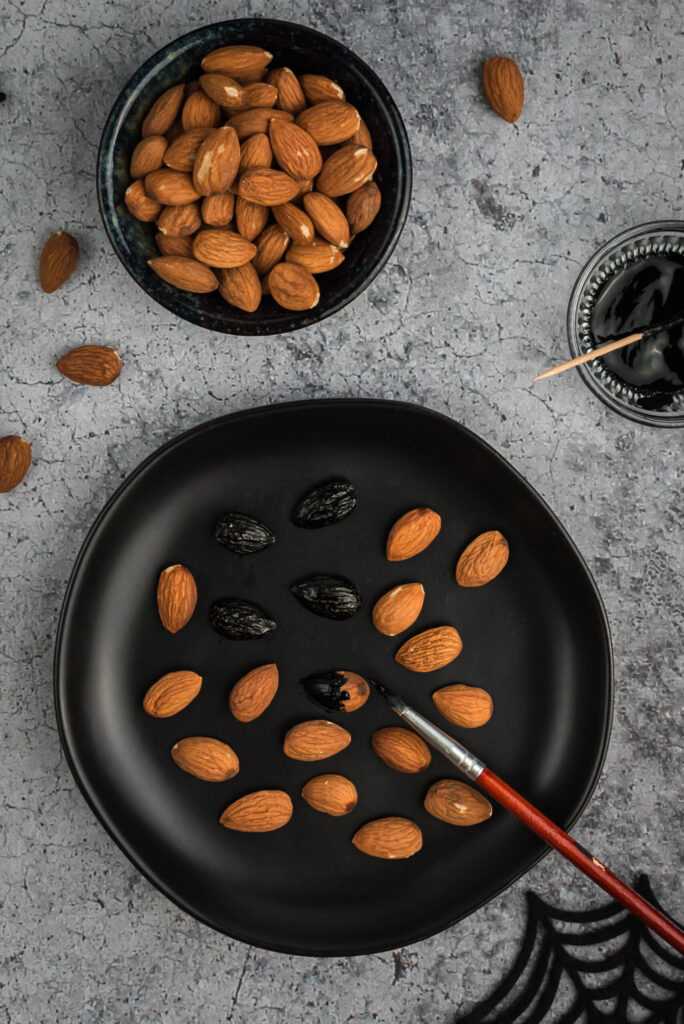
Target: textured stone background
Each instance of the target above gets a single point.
(470, 306)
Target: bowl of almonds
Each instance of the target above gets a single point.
(254, 176)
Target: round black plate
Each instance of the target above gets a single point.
(536, 638)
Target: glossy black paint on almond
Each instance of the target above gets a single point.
(243, 534)
(239, 620)
(325, 505)
(333, 597)
(325, 690)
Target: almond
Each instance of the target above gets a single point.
(294, 149)
(139, 204)
(240, 287)
(58, 260)
(180, 155)
(259, 94)
(430, 650)
(176, 597)
(290, 94)
(180, 220)
(503, 87)
(330, 122)
(187, 274)
(295, 222)
(331, 794)
(15, 459)
(237, 61)
(262, 811)
(362, 135)
(271, 245)
(218, 210)
(200, 111)
(206, 758)
(346, 170)
(293, 287)
(255, 152)
(267, 187)
(315, 740)
(171, 245)
(468, 706)
(356, 689)
(304, 185)
(222, 89)
(253, 693)
(172, 188)
(256, 120)
(148, 156)
(318, 88)
(250, 218)
(456, 803)
(412, 533)
(250, 77)
(172, 693)
(163, 111)
(482, 560)
(175, 131)
(363, 206)
(327, 218)
(389, 838)
(97, 365)
(217, 161)
(398, 609)
(317, 257)
(220, 247)
(401, 749)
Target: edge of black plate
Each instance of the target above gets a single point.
(245, 414)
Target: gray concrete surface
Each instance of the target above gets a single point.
(471, 305)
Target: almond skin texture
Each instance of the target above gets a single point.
(139, 204)
(331, 122)
(176, 597)
(503, 87)
(482, 560)
(222, 89)
(295, 222)
(255, 152)
(294, 149)
(362, 135)
(206, 758)
(357, 688)
(250, 218)
(389, 838)
(163, 112)
(317, 257)
(96, 365)
(148, 156)
(262, 811)
(58, 261)
(430, 650)
(256, 120)
(315, 740)
(172, 693)
(217, 162)
(237, 61)
(363, 206)
(331, 794)
(319, 89)
(468, 706)
(401, 749)
(345, 170)
(329, 221)
(187, 274)
(172, 188)
(267, 187)
(293, 287)
(240, 287)
(219, 247)
(180, 220)
(398, 609)
(271, 246)
(412, 533)
(180, 156)
(456, 803)
(174, 245)
(199, 111)
(217, 210)
(15, 459)
(253, 693)
(290, 94)
(259, 94)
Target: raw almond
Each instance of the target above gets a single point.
(58, 260)
(294, 149)
(327, 218)
(240, 287)
(249, 122)
(176, 597)
(430, 650)
(363, 206)
(219, 247)
(180, 155)
(163, 112)
(139, 204)
(217, 210)
(331, 122)
(253, 693)
(175, 131)
(315, 740)
(293, 287)
(15, 459)
(180, 220)
(172, 693)
(304, 185)
(237, 61)
(97, 365)
(270, 247)
(187, 274)
(172, 245)
(317, 257)
(206, 758)
(217, 161)
(290, 94)
(250, 218)
(398, 609)
(356, 689)
(331, 794)
(345, 170)
(267, 187)
(412, 533)
(362, 135)
(389, 838)
(255, 152)
(222, 89)
(401, 749)
(148, 156)
(250, 77)
(503, 87)
(262, 811)
(172, 188)
(200, 111)
(456, 803)
(259, 94)
(482, 560)
(318, 88)
(468, 706)
(295, 222)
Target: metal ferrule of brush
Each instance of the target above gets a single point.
(470, 765)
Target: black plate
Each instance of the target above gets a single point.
(536, 638)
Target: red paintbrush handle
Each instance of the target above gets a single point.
(598, 872)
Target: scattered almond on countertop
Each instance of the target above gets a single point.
(398, 609)
(412, 533)
(262, 811)
(401, 749)
(206, 758)
(172, 693)
(468, 706)
(389, 838)
(97, 365)
(457, 803)
(430, 650)
(331, 794)
(503, 87)
(15, 459)
(482, 560)
(176, 597)
(58, 261)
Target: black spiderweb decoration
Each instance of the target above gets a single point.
(608, 969)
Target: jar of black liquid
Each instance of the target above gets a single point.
(635, 283)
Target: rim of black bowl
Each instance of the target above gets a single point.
(188, 306)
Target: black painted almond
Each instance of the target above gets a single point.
(333, 597)
(243, 534)
(325, 505)
(239, 620)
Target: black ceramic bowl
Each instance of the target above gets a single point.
(303, 50)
